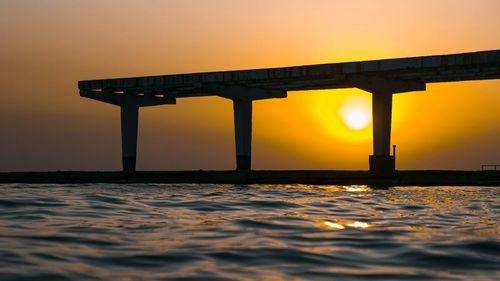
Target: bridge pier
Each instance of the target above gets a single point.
(243, 133)
(243, 98)
(129, 104)
(381, 162)
(129, 126)
(382, 89)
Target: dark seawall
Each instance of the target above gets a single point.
(399, 178)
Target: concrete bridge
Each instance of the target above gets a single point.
(382, 78)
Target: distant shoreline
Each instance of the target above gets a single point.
(314, 177)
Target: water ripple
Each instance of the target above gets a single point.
(255, 232)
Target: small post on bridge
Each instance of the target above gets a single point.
(394, 155)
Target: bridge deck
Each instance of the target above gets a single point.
(427, 69)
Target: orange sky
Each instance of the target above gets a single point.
(48, 45)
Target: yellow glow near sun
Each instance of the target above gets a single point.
(344, 114)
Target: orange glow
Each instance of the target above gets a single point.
(48, 46)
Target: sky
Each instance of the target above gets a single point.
(46, 46)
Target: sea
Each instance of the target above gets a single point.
(248, 232)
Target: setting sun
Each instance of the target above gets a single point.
(356, 118)
(355, 112)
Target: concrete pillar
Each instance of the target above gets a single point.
(129, 124)
(382, 88)
(381, 161)
(382, 114)
(129, 104)
(243, 132)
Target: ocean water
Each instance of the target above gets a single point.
(252, 232)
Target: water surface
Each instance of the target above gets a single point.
(254, 232)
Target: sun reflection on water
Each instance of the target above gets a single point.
(358, 224)
(357, 188)
(334, 225)
(342, 225)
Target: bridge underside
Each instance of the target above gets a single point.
(382, 78)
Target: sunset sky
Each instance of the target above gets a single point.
(46, 46)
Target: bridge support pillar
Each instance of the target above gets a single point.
(381, 162)
(243, 132)
(243, 98)
(129, 104)
(382, 89)
(129, 125)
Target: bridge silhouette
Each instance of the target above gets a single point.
(382, 78)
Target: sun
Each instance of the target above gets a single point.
(356, 119)
(355, 115)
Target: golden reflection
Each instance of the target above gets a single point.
(358, 224)
(357, 188)
(334, 225)
(342, 225)
(330, 188)
(348, 188)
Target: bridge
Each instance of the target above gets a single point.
(382, 78)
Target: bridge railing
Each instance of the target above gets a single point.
(490, 167)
